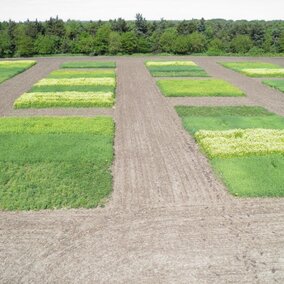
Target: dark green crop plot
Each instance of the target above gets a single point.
(89, 64)
(225, 118)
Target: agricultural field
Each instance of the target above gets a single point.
(255, 69)
(72, 88)
(245, 146)
(55, 162)
(175, 69)
(144, 172)
(198, 88)
(9, 69)
(276, 84)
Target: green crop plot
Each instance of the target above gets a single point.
(226, 118)
(256, 69)
(253, 176)
(55, 162)
(245, 146)
(88, 64)
(276, 84)
(175, 69)
(9, 69)
(198, 88)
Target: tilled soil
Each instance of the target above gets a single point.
(169, 219)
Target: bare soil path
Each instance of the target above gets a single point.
(169, 219)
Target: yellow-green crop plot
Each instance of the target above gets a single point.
(241, 142)
(77, 82)
(198, 88)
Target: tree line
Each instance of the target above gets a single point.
(212, 37)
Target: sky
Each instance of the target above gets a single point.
(20, 10)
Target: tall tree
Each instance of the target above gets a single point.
(201, 26)
(141, 24)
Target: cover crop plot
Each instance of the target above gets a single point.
(175, 69)
(245, 146)
(55, 162)
(256, 69)
(198, 88)
(71, 88)
(9, 69)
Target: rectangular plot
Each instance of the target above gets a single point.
(45, 163)
(198, 88)
(65, 99)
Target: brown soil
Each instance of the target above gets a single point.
(169, 220)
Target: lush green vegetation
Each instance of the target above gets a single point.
(9, 69)
(88, 64)
(213, 37)
(71, 88)
(256, 69)
(254, 176)
(175, 69)
(241, 143)
(198, 88)
(276, 84)
(55, 162)
(225, 118)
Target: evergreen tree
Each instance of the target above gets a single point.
(141, 25)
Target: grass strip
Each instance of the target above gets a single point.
(89, 64)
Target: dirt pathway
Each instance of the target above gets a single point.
(157, 163)
(169, 220)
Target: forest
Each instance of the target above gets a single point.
(121, 37)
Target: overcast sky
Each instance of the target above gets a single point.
(20, 10)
